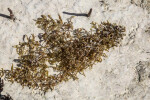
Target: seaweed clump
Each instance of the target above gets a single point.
(66, 50)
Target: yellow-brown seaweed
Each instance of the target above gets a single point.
(66, 50)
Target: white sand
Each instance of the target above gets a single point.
(116, 78)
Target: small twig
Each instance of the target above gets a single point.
(79, 14)
(88, 15)
(12, 17)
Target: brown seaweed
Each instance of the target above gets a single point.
(3, 97)
(66, 50)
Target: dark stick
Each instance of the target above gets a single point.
(12, 17)
(76, 14)
(5, 16)
(79, 14)
(88, 15)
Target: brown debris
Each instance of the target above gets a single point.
(12, 17)
(88, 15)
(3, 97)
(67, 51)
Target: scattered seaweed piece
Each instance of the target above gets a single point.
(3, 97)
(1, 85)
(66, 50)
